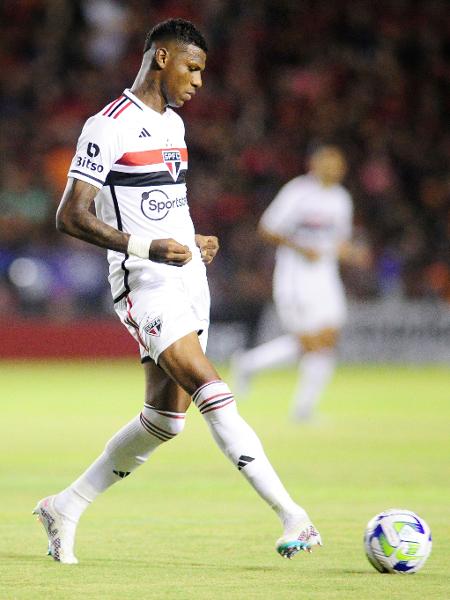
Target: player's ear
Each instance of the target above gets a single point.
(160, 58)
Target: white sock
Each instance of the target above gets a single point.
(126, 450)
(315, 371)
(280, 352)
(241, 445)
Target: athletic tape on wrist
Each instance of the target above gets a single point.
(138, 246)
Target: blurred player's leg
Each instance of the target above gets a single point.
(236, 438)
(280, 352)
(316, 368)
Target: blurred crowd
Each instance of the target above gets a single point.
(282, 77)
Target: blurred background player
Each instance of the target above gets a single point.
(310, 223)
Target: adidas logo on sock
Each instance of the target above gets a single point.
(122, 474)
(144, 133)
(244, 461)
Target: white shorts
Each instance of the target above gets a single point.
(307, 306)
(157, 316)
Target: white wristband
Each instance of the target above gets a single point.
(139, 246)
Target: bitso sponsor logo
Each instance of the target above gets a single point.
(93, 150)
(172, 160)
(156, 204)
(87, 163)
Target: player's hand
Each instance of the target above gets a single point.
(310, 254)
(209, 246)
(356, 255)
(169, 252)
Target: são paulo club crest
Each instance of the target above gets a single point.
(154, 327)
(172, 160)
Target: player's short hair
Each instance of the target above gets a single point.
(183, 31)
(318, 147)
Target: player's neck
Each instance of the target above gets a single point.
(149, 94)
(324, 181)
(148, 90)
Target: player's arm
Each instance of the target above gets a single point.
(278, 222)
(354, 255)
(351, 252)
(75, 218)
(209, 246)
(277, 239)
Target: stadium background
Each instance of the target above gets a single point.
(282, 76)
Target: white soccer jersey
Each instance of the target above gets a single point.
(138, 159)
(309, 294)
(312, 215)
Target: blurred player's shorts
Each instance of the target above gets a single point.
(309, 306)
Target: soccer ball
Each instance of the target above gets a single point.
(397, 541)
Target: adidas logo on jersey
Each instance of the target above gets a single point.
(144, 133)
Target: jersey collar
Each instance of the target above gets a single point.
(135, 100)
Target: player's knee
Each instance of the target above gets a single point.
(309, 343)
(174, 425)
(162, 424)
(323, 340)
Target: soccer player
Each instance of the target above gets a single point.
(131, 160)
(310, 223)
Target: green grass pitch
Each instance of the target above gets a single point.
(187, 525)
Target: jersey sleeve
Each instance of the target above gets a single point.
(281, 216)
(98, 148)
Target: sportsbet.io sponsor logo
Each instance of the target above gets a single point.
(156, 204)
(92, 151)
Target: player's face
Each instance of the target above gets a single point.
(182, 74)
(329, 165)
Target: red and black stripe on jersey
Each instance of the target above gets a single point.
(117, 178)
(116, 108)
(149, 158)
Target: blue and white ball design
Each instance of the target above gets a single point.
(397, 541)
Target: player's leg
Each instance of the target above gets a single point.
(317, 314)
(282, 351)
(187, 364)
(160, 420)
(316, 368)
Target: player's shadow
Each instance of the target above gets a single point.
(93, 562)
(8, 557)
(257, 568)
(200, 565)
(364, 572)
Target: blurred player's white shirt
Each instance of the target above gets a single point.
(308, 294)
(138, 159)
